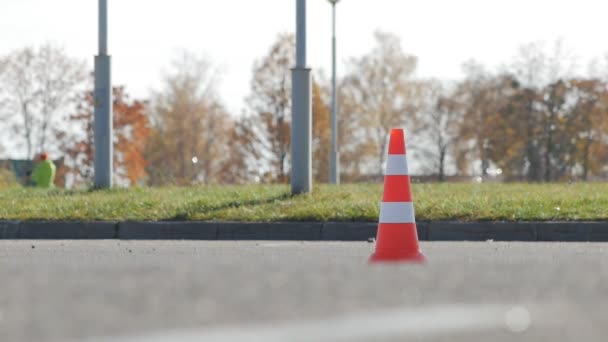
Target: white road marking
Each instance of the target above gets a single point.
(422, 322)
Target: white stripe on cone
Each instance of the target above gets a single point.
(396, 165)
(397, 212)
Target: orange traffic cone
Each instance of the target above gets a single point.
(397, 238)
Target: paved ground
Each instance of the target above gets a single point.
(291, 291)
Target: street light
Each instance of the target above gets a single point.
(103, 105)
(334, 163)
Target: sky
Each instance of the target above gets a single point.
(146, 34)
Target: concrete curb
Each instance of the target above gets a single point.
(302, 231)
(481, 231)
(348, 231)
(573, 231)
(167, 230)
(9, 229)
(66, 230)
(270, 231)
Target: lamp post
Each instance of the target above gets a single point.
(334, 163)
(301, 114)
(103, 105)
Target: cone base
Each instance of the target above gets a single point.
(399, 257)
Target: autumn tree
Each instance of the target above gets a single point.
(380, 89)
(591, 124)
(3, 100)
(516, 119)
(37, 87)
(4, 97)
(270, 103)
(189, 142)
(475, 94)
(131, 133)
(512, 130)
(321, 132)
(441, 115)
(356, 150)
(244, 160)
(540, 70)
(264, 132)
(556, 130)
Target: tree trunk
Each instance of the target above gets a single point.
(586, 149)
(531, 151)
(442, 154)
(586, 160)
(549, 151)
(382, 157)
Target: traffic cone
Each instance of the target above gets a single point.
(397, 238)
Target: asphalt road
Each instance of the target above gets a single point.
(292, 291)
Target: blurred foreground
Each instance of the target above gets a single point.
(278, 291)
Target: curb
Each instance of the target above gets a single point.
(9, 229)
(302, 231)
(167, 230)
(66, 230)
(482, 231)
(571, 231)
(309, 231)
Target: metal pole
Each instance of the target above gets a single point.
(301, 33)
(334, 164)
(301, 115)
(103, 27)
(103, 105)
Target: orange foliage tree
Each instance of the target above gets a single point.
(131, 133)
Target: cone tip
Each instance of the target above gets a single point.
(396, 143)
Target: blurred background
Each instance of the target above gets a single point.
(486, 91)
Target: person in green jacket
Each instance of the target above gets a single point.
(44, 173)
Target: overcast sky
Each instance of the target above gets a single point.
(144, 34)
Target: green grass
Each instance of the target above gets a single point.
(354, 202)
(7, 180)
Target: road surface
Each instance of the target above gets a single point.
(300, 291)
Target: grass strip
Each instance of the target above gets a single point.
(350, 202)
